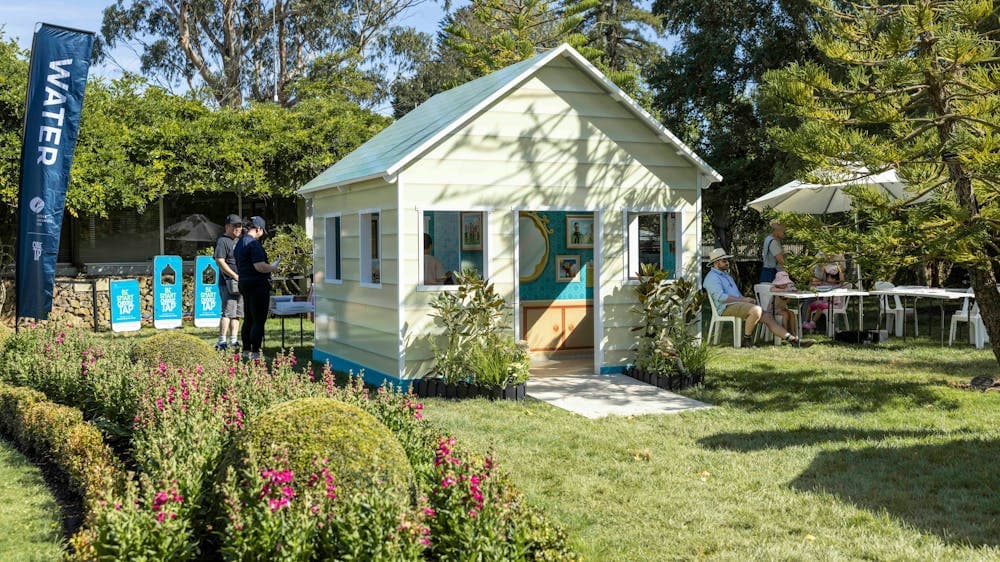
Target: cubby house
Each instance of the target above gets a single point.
(545, 177)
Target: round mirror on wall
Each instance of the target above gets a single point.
(533, 246)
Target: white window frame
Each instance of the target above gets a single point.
(487, 212)
(328, 273)
(630, 228)
(365, 247)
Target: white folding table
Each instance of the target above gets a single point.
(917, 292)
(812, 294)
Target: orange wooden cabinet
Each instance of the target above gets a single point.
(558, 325)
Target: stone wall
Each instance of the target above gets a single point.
(73, 299)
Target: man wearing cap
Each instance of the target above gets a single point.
(773, 254)
(232, 302)
(255, 284)
(721, 288)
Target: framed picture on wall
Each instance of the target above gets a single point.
(472, 231)
(579, 231)
(567, 268)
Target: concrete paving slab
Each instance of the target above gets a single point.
(597, 396)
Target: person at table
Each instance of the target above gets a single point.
(778, 306)
(729, 301)
(772, 253)
(830, 274)
(434, 272)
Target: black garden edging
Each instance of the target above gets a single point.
(438, 388)
(673, 381)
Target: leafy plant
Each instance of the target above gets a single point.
(478, 348)
(295, 249)
(667, 309)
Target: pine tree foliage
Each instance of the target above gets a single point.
(913, 85)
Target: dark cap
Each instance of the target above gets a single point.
(234, 219)
(257, 222)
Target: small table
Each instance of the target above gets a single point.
(917, 292)
(838, 292)
(285, 308)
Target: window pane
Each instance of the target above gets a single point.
(444, 231)
(650, 240)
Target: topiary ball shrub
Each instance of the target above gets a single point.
(358, 448)
(178, 350)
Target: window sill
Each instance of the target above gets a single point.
(371, 285)
(436, 288)
(333, 281)
(633, 282)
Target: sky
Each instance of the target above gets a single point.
(18, 18)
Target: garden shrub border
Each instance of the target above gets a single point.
(461, 390)
(58, 433)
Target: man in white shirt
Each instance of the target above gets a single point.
(434, 273)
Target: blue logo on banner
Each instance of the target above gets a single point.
(60, 59)
(207, 302)
(126, 313)
(167, 273)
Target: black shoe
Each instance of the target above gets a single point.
(748, 342)
(221, 346)
(796, 342)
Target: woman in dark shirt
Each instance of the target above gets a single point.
(255, 284)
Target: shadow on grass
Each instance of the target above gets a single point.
(767, 387)
(761, 440)
(946, 489)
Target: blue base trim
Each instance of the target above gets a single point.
(613, 369)
(370, 376)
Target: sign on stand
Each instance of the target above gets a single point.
(167, 292)
(207, 301)
(126, 312)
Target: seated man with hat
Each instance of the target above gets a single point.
(721, 288)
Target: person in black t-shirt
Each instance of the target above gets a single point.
(232, 303)
(255, 284)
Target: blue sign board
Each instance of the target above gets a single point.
(207, 301)
(126, 312)
(60, 59)
(167, 292)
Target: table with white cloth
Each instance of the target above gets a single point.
(917, 292)
(830, 294)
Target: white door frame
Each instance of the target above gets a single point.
(597, 264)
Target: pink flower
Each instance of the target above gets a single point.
(429, 512)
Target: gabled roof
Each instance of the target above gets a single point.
(399, 144)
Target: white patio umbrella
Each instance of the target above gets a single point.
(818, 198)
(194, 228)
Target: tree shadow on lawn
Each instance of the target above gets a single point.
(766, 387)
(948, 489)
(805, 436)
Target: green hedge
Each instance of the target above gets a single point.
(177, 349)
(58, 433)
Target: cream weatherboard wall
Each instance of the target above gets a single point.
(356, 322)
(557, 142)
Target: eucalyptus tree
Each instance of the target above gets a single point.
(913, 85)
(256, 49)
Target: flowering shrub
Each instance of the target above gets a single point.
(182, 503)
(178, 350)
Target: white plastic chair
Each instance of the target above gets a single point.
(838, 307)
(977, 330)
(715, 327)
(898, 312)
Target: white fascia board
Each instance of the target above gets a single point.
(386, 177)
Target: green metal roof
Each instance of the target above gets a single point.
(425, 121)
(385, 154)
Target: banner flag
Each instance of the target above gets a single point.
(126, 311)
(167, 292)
(207, 301)
(60, 59)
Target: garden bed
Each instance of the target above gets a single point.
(438, 388)
(673, 381)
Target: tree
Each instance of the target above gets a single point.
(914, 85)
(618, 30)
(246, 48)
(704, 91)
(498, 33)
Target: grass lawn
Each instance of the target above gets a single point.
(829, 453)
(30, 520)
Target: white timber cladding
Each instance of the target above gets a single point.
(558, 141)
(354, 320)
